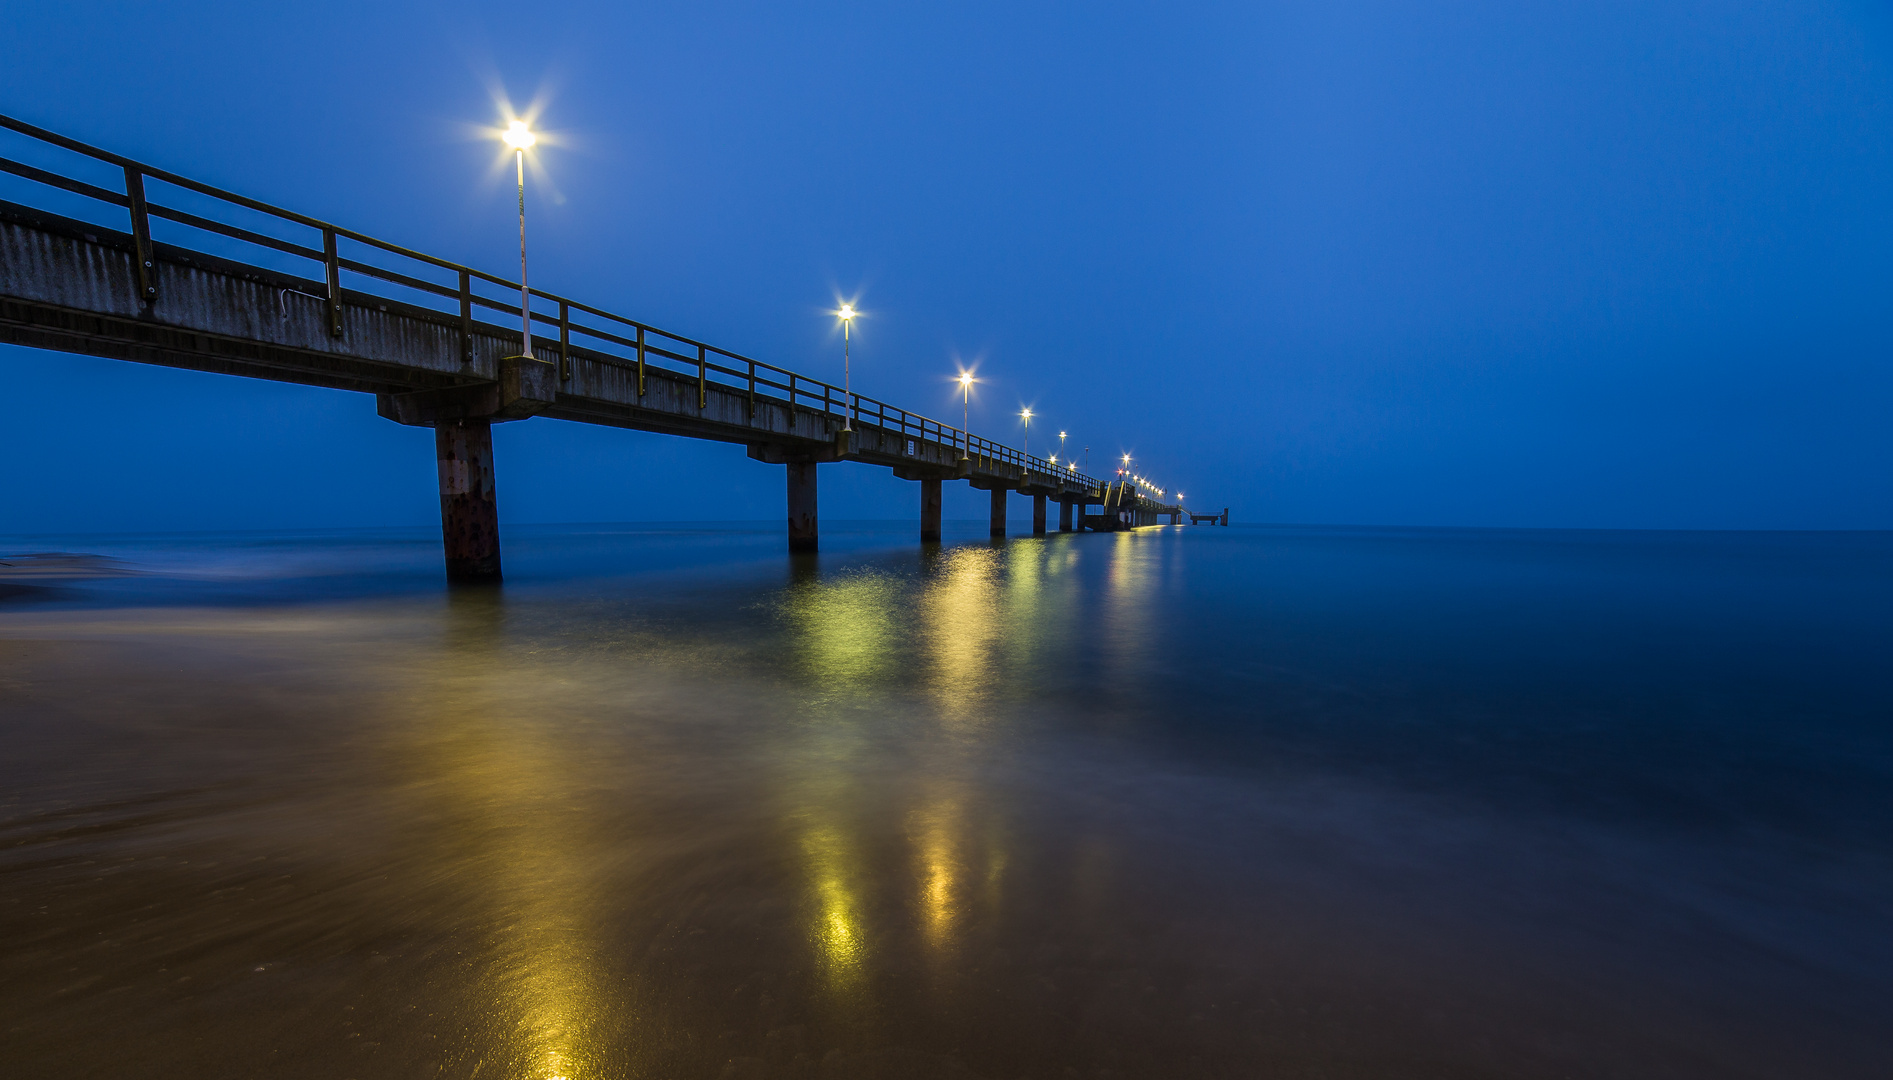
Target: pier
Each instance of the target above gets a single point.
(317, 304)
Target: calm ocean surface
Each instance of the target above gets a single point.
(1271, 802)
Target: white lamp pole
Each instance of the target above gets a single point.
(847, 391)
(966, 397)
(519, 138)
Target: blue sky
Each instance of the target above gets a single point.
(1524, 264)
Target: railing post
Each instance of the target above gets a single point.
(565, 341)
(141, 236)
(703, 376)
(752, 389)
(332, 266)
(466, 317)
(640, 361)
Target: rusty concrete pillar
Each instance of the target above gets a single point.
(803, 531)
(469, 512)
(1038, 515)
(930, 511)
(1064, 517)
(999, 512)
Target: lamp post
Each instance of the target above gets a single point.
(519, 137)
(1087, 459)
(966, 397)
(847, 390)
(1027, 414)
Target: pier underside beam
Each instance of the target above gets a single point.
(469, 510)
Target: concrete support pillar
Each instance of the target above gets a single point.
(1064, 517)
(803, 531)
(469, 511)
(1038, 515)
(999, 512)
(930, 511)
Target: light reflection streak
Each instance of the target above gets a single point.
(961, 629)
(975, 621)
(837, 931)
(937, 827)
(487, 757)
(844, 628)
(1127, 591)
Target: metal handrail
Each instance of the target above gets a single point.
(689, 353)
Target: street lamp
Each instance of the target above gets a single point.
(847, 324)
(1027, 414)
(966, 396)
(519, 137)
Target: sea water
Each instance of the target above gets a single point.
(1175, 802)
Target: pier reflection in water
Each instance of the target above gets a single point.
(1149, 804)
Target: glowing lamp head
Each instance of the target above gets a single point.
(518, 136)
(846, 312)
(966, 378)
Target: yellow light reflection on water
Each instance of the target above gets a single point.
(497, 775)
(837, 928)
(844, 627)
(937, 827)
(961, 627)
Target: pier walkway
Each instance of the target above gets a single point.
(261, 292)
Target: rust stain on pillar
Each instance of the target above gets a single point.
(930, 511)
(469, 511)
(999, 512)
(803, 530)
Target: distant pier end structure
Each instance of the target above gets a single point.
(271, 294)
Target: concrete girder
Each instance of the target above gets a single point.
(527, 386)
